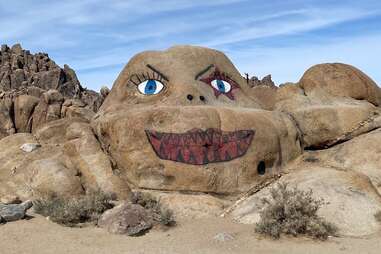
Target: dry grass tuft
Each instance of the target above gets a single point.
(160, 215)
(74, 210)
(293, 212)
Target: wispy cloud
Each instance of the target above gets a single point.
(298, 21)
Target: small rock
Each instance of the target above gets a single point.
(104, 91)
(14, 212)
(29, 147)
(223, 237)
(17, 49)
(10, 199)
(127, 218)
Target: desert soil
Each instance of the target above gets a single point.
(40, 236)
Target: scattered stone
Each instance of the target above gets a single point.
(29, 147)
(223, 237)
(127, 218)
(14, 212)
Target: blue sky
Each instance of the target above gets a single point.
(281, 37)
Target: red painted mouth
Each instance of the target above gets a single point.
(200, 147)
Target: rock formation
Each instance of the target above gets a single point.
(265, 81)
(35, 90)
(184, 125)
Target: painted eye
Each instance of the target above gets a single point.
(150, 87)
(221, 85)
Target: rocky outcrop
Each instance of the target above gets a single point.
(21, 69)
(265, 81)
(34, 90)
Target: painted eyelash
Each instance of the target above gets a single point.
(136, 79)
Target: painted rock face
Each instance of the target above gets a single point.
(181, 120)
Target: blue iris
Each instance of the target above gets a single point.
(150, 87)
(221, 86)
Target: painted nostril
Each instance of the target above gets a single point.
(202, 98)
(190, 97)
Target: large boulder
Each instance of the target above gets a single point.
(190, 136)
(361, 154)
(36, 173)
(351, 200)
(346, 176)
(6, 121)
(126, 218)
(24, 106)
(341, 80)
(68, 161)
(324, 120)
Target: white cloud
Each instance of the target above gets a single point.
(312, 19)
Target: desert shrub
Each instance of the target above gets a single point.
(294, 212)
(160, 214)
(74, 210)
(378, 216)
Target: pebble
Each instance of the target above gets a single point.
(223, 237)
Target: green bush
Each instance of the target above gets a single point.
(294, 212)
(74, 210)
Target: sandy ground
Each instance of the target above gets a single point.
(41, 236)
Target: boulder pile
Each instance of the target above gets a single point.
(184, 126)
(35, 90)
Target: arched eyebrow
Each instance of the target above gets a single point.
(203, 71)
(158, 72)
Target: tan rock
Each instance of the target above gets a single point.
(362, 154)
(78, 112)
(69, 161)
(23, 109)
(30, 175)
(190, 205)
(52, 96)
(126, 218)
(86, 154)
(341, 80)
(6, 122)
(325, 120)
(351, 201)
(48, 109)
(129, 122)
(264, 95)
